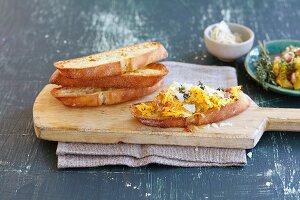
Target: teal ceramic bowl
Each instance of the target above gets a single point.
(274, 47)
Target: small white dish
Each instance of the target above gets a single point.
(229, 52)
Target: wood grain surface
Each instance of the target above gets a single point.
(114, 123)
(35, 33)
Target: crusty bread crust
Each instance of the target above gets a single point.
(90, 100)
(98, 98)
(211, 116)
(127, 80)
(122, 65)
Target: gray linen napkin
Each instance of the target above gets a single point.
(134, 155)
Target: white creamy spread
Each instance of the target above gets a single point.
(175, 90)
(222, 33)
(190, 107)
(179, 89)
(211, 91)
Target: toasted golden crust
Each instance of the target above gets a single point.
(74, 97)
(120, 65)
(127, 80)
(90, 100)
(211, 116)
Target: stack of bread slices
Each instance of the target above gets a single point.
(110, 77)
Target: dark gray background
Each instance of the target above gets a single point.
(35, 33)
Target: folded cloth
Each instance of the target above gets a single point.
(135, 155)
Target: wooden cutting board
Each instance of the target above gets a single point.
(113, 124)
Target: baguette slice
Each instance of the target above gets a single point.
(209, 117)
(114, 62)
(92, 96)
(144, 77)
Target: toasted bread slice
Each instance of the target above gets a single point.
(144, 77)
(93, 96)
(114, 62)
(210, 116)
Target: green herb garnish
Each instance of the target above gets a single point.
(181, 89)
(264, 72)
(201, 85)
(186, 96)
(290, 67)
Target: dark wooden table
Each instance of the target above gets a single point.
(35, 33)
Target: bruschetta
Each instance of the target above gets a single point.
(182, 105)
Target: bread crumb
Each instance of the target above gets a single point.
(249, 154)
(214, 125)
(225, 124)
(207, 126)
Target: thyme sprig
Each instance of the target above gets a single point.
(264, 72)
(201, 85)
(183, 91)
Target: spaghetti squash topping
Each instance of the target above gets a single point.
(147, 110)
(185, 100)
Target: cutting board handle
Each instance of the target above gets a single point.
(281, 119)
